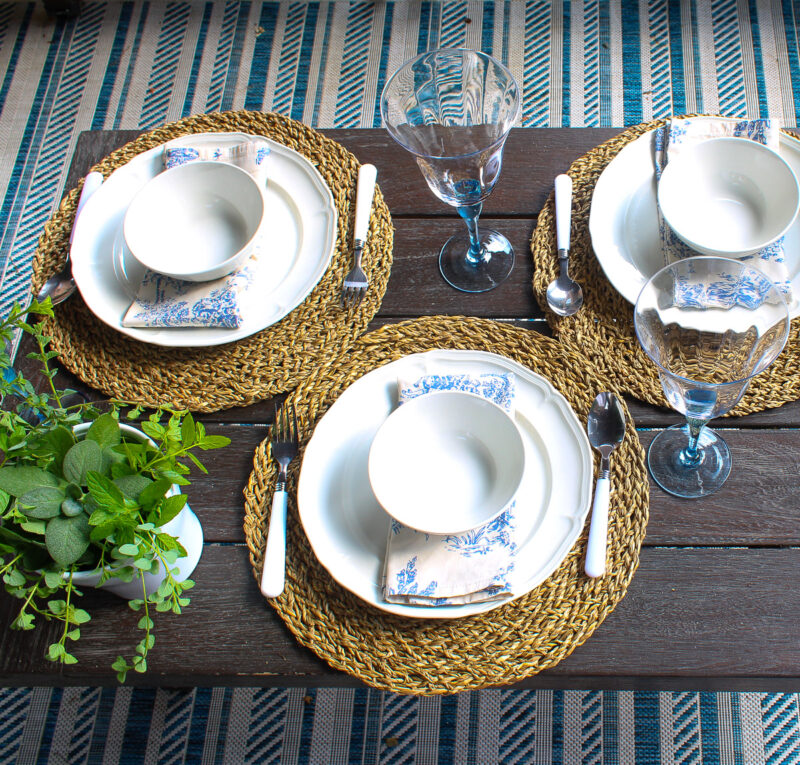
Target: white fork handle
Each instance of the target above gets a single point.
(273, 573)
(364, 193)
(598, 531)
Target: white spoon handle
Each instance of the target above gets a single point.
(563, 210)
(91, 183)
(273, 573)
(598, 531)
(364, 193)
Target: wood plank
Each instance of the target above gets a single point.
(532, 159)
(710, 618)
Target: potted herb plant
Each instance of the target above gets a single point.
(87, 499)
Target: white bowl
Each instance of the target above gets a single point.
(728, 196)
(197, 221)
(446, 462)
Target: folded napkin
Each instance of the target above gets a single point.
(441, 570)
(162, 301)
(668, 142)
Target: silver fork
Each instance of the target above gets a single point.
(284, 450)
(355, 283)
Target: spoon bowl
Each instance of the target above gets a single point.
(564, 295)
(606, 429)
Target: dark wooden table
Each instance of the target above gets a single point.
(714, 604)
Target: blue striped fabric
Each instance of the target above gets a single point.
(138, 64)
(333, 726)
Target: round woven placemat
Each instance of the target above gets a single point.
(239, 373)
(502, 646)
(603, 328)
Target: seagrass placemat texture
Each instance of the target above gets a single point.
(436, 656)
(603, 328)
(258, 367)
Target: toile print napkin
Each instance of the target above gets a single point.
(163, 301)
(668, 142)
(441, 570)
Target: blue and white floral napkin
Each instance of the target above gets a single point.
(668, 142)
(163, 301)
(441, 570)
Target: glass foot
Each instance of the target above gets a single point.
(673, 475)
(484, 275)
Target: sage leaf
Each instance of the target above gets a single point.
(104, 431)
(83, 457)
(67, 538)
(71, 507)
(58, 441)
(19, 479)
(41, 502)
(133, 485)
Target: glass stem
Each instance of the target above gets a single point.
(470, 214)
(691, 456)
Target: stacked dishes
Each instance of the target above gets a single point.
(624, 220)
(347, 526)
(299, 235)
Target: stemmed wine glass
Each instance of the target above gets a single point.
(710, 325)
(453, 109)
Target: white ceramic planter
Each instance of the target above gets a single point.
(185, 527)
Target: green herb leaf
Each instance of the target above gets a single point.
(129, 549)
(79, 616)
(53, 579)
(68, 658)
(55, 651)
(20, 479)
(41, 502)
(214, 442)
(24, 621)
(170, 508)
(67, 538)
(34, 527)
(188, 430)
(105, 492)
(154, 492)
(82, 458)
(105, 431)
(14, 578)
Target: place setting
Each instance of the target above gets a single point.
(658, 193)
(419, 514)
(274, 232)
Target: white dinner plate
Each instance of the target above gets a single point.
(348, 529)
(301, 231)
(623, 220)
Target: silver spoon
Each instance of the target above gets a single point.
(606, 429)
(61, 285)
(564, 295)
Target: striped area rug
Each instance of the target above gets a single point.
(141, 63)
(338, 727)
